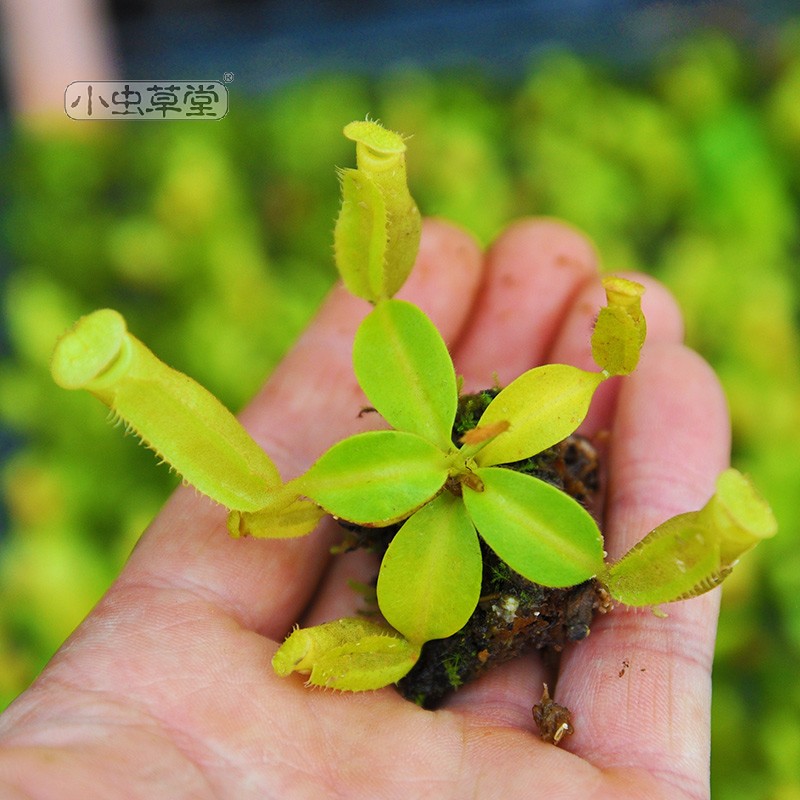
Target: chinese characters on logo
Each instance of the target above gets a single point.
(146, 100)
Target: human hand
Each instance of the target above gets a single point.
(166, 690)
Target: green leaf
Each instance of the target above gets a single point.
(347, 654)
(174, 415)
(430, 577)
(377, 477)
(542, 407)
(692, 553)
(403, 366)
(538, 530)
(620, 330)
(296, 519)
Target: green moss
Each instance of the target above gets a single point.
(452, 667)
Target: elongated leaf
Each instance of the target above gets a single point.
(403, 366)
(377, 477)
(347, 654)
(430, 577)
(542, 406)
(689, 554)
(535, 528)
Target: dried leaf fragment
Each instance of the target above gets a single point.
(553, 720)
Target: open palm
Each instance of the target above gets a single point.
(166, 690)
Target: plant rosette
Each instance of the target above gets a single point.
(476, 504)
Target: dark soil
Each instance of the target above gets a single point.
(513, 615)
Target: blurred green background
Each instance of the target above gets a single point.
(214, 240)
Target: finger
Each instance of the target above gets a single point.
(642, 684)
(533, 272)
(311, 401)
(347, 589)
